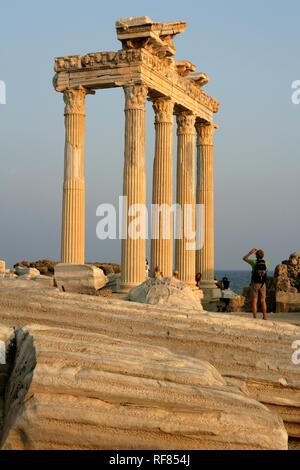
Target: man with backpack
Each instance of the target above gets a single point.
(258, 281)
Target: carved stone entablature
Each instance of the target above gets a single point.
(184, 67)
(214, 105)
(190, 86)
(199, 78)
(143, 32)
(101, 58)
(67, 63)
(98, 60)
(150, 64)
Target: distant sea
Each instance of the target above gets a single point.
(238, 279)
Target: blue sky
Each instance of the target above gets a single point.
(250, 49)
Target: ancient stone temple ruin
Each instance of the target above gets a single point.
(146, 68)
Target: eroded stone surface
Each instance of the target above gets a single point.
(287, 284)
(92, 391)
(81, 278)
(15, 376)
(30, 272)
(166, 291)
(252, 355)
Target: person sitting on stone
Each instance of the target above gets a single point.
(258, 281)
(226, 283)
(198, 280)
(158, 273)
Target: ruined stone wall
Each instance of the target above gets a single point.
(287, 275)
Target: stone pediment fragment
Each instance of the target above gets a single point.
(142, 31)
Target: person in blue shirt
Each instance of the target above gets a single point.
(258, 281)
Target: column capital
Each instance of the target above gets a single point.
(135, 96)
(205, 133)
(164, 110)
(74, 99)
(185, 123)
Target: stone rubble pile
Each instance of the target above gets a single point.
(287, 274)
(45, 266)
(89, 279)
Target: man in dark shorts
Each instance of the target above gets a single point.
(259, 281)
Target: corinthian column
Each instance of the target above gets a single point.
(205, 196)
(162, 199)
(185, 246)
(73, 211)
(134, 245)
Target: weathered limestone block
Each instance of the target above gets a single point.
(91, 391)
(2, 266)
(287, 300)
(230, 302)
(44, 281)
(287, 283)
(5, 334)
(9, 274)
(114, 282)
(15, 375)
(79, 278)
(252, 355)
(281, 270)
(283, 284)
(23, 271)
(166, 291)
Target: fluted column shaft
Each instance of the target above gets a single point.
(185, 255)
(134, 249)
(205, 258)
(73, 211)
(162, 235)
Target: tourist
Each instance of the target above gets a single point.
(158, 273)
(258, 281)
(176, 274)
(198, 280)
(226, 283)
(147, 269)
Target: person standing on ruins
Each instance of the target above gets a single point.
(258, 281)
(147, 268)
(158, 273)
